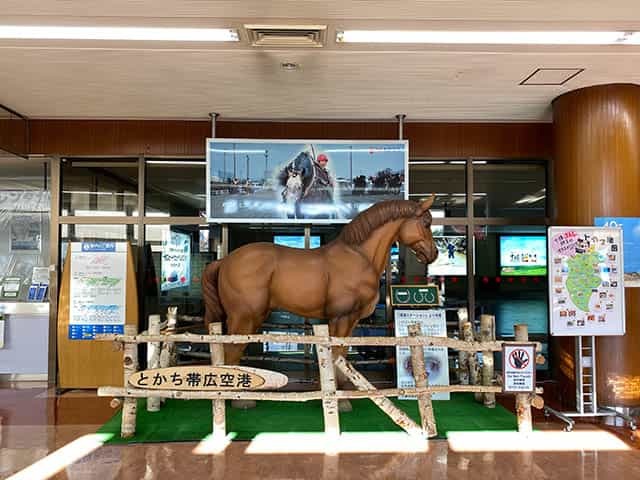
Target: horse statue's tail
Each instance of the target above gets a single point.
(213, 310)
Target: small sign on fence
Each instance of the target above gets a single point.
(204, 377)
(519, 369)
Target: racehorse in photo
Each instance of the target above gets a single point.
(337, 282)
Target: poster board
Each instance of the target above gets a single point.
(87, 363)
(631, 245)
(97, 291)
(586, 282)
(301, 181)
(436, 359)
(175, 260)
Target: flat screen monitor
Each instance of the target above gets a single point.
(296, 241)
(523, 255)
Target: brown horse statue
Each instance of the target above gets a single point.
(337, 282)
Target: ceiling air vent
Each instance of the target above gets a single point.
(286, 36)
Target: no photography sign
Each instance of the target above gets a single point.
(519, 367)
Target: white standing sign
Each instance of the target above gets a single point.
(433, 324)
(519, 370)
(586, 281)
(98, 289)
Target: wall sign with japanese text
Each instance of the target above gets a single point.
(204, 377)
(433, 323)
(586, 281)
(519, 370)
(98, 289)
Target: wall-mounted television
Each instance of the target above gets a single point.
(296, 241)
(523, 255)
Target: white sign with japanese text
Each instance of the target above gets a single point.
(519, 371)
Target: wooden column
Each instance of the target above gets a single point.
(596, 173)
(129, 406)
(425, 405)
(328, 386)
(523, 400)
(217, 406)
(153, 403)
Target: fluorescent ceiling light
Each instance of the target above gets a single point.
(33, 32)
(506, 38)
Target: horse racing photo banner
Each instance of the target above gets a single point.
(301, 181)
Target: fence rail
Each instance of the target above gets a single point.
(162, 345)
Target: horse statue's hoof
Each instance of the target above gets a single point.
(243, 404)
(344, 406)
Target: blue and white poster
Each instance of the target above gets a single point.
(301, 181)
(631, 245)
(176, 260)
(98, 289)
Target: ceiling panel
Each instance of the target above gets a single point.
(144, 80)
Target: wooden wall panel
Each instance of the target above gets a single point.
(597, 173)
(186, 138)
(14, 135)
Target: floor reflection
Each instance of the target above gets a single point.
(56, 433)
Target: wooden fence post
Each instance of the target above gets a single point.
(472, 360)
(523, 400)
(153, 403)
(487, 334)
(463, 357)
(217, 406)
(129, 404)
(425, 406)
(328, 386)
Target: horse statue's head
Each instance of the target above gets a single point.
(415, 233)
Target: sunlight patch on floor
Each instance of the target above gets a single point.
(63, 457)
(365, 442)
(535, 442)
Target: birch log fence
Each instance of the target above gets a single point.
(164, 343)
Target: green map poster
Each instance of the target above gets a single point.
(586, 281)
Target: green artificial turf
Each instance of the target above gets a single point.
(190, 420)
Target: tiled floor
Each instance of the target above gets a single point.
(53, 436)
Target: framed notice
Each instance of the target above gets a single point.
(519, 370)
(433, 324)
(98, 289)
(586, 281)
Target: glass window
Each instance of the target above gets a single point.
(104, 187)
(511, 278)
(25, 206)
(174, 258)
(175, 188)
(509, 189)
(445, 178)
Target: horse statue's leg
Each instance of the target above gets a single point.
(245, 323)
(342, 327)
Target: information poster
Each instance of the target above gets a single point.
(433, 323)
(98, 289)
(519, 373)
(176, 260)
(631, 233)
(586, 287)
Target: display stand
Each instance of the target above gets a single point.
(88, 363)
(586, 388)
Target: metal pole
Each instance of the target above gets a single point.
(214, 118)
(54, 275)
(401, 118)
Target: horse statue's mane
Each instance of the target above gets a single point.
(359, 229)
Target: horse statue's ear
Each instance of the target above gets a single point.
(426, 205)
